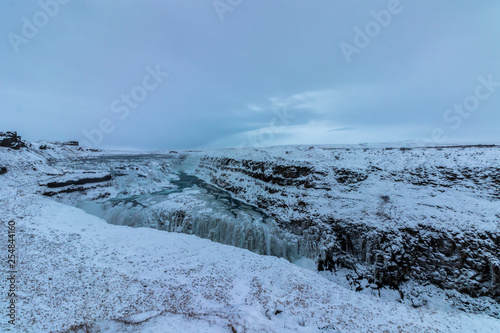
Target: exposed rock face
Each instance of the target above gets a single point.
(11, 140)
(468, 262)
(73, 183)
(80, 181)
(71, 143)
(429, 214)
(3, 170)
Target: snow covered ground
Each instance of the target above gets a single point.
(77, 272)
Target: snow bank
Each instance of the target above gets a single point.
(78, 272)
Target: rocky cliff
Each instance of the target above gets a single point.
(431, 214)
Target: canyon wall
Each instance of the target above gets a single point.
(429, 214)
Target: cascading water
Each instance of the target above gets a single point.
(245, 231)
(194, 207)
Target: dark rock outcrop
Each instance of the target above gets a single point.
(268, 172)
(80, 181)
(70, 143)
(73, 189)
(466, 262)
(11, 140)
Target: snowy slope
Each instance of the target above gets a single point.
(76, 271)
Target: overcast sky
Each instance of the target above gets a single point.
(162, 74)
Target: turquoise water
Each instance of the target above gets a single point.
(209, 212)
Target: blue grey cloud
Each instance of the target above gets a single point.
(64, 63)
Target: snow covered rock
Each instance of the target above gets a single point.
(11, 140)
(425, 213)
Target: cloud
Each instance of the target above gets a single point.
(228, 78)
(341, 129)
